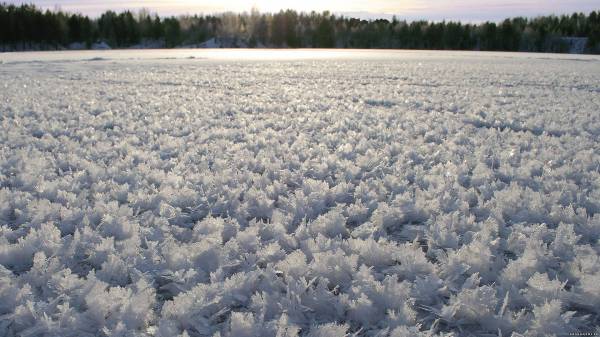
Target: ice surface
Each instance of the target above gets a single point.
(299, 193)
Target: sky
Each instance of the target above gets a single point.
(464, 10)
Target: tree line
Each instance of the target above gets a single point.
(28, 27)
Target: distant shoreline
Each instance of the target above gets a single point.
(578, 50)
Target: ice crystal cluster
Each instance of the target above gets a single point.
(383, 194)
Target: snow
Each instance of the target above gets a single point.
(299, 193)
(77, 46)
(100, 46)
(223, 42)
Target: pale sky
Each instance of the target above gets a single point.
(464, 10)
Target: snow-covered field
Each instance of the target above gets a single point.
(299, 193)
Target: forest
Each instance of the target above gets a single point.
(27, 27)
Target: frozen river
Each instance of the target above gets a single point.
(299, 193)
